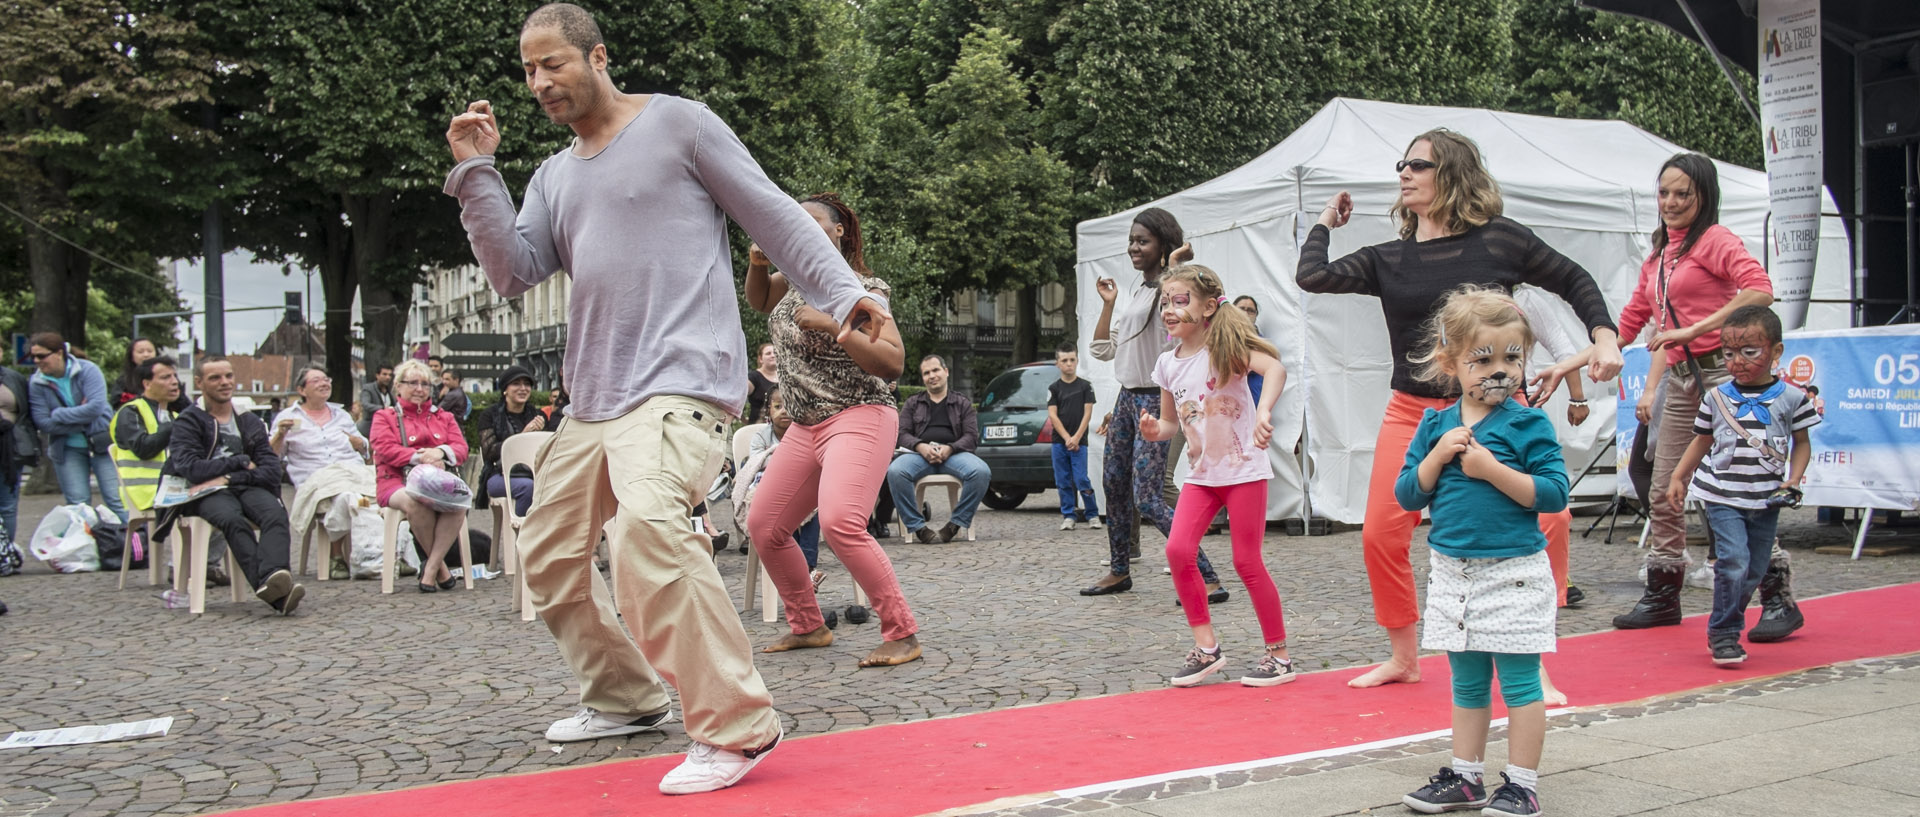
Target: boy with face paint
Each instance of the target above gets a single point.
(1487, 467)
(1742, 433)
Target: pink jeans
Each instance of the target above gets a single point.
(849, 452)
(1246, 505)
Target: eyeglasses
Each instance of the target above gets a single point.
(416, 382)
(1418, 165)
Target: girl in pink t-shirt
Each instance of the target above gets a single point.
(1203, 387)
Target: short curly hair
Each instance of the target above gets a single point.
(575, 23)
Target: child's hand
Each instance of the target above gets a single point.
(1452, 444)
(1149, 425)
(1479, 462)
(1263, 430)
(1677, 491)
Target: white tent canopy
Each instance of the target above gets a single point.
(1585, 187)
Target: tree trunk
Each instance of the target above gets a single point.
(383, 307)
(339, 281)
(1026, 324)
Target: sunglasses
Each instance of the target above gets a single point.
(39, 356)
(1418, 165)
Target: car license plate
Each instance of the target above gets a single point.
(1002, 432)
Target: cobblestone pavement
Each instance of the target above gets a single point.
(364, 692)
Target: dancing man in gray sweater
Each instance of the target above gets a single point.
(635, 210)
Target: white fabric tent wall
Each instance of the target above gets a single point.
(1585, 187)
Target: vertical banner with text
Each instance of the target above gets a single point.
(1790, 127)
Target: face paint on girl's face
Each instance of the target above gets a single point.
(1493, 365)
(1749, 356)
(1181, 310)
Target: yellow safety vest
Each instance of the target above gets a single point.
(139, 479)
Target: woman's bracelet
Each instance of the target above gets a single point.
(1580, 402)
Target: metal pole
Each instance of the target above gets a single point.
(1686, 7)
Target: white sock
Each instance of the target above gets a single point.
(1528, 779)
(1472, 770)
(1214, 651)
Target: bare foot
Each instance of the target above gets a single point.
(892, 653)
(1550, 694)
(1387, 673)
(820, 637)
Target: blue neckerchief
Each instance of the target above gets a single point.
(1755, 405)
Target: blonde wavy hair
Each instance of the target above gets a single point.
(413, 366)
(1465, 195)
(1231, 336)
(1463, 312)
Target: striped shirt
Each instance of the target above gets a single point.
(1737, 473)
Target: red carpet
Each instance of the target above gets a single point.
(930, 766)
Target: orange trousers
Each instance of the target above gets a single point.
(1387, 533)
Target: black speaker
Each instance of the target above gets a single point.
(1889, 96)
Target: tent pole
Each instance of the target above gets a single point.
(1686, 7)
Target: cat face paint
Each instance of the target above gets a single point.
(1493, 365)
(1182, 311)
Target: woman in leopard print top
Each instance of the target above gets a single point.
(844, 426)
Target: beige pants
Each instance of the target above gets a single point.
(1675, 433)
(645, 471)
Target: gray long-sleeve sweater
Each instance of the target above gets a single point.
(642, 228)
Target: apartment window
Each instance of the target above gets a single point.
(256, 386)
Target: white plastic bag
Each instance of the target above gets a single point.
(439, 489)
(368, 528)
(64, 539)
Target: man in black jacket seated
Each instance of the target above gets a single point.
(216, 446)
(940, 429)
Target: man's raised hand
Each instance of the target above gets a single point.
(474, 133)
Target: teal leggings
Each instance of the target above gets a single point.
(1473, 678)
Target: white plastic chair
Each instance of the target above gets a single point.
(141, 519)
(742, 441)
(196, 536)
(920, 489)
(519, 449)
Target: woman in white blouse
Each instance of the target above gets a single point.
(312, 434)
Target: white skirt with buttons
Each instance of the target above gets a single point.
(1490, 605)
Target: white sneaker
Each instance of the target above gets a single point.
(588, 724)
(1701, 577)
(1066, 523)
(711, 768)
(1093, 523)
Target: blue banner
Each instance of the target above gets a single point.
(1866, 385)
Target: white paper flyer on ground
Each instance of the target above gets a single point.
(104, 733)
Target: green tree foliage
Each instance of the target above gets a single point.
(995, 206)
(89, 149)
(1588, 65)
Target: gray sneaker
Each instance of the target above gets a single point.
(1198, 666)
(1270, 672)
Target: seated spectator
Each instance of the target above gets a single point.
(759, 447)
(68, 399)
(940, 429)
(218, 446)
(142, 429)
(375, 395)
(311, 435)
(513, 414)
(415, 432)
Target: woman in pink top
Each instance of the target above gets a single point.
(1698, 273)
(432, 438)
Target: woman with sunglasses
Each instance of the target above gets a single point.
(1698, 273)
(1451, 233)
(416, 433)
(68, 397)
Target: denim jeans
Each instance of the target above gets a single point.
(73, 467)
(522, 492)
(808, 538)
(1070, 480)
(10, 507)
(907, 469)
(1742, 544)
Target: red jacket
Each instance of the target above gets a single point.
(427, 427)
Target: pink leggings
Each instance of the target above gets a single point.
(1246, 505)
(849, 452)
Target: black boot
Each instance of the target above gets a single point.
(1660, 607)
(1779, 615)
